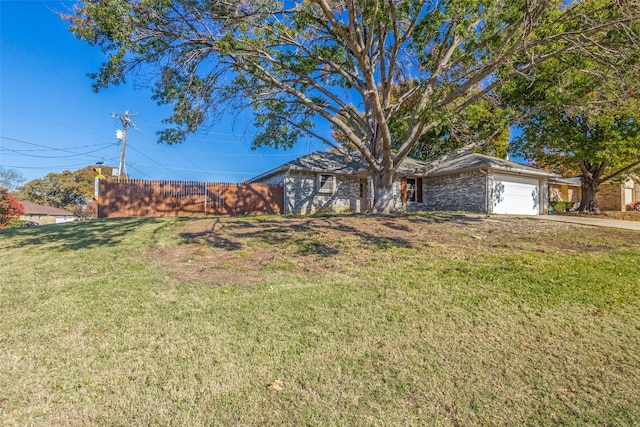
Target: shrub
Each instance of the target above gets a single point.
(10, 208)
(560, 206)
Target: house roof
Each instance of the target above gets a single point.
(330, 162)
(575, 181)
(469, 161)
(318, 161)
(31, 208)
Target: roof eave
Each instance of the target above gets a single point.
(493, 168)
(270, 173)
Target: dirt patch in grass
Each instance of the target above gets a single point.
(242, 252)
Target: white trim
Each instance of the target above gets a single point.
(329, 184)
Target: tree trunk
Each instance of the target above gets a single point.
(589, 201)
(383, 201)
(592, 173)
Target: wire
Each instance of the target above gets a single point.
(64, 76)
(50, 121)
(48, 167)
(157, 163)
(200, 170)
(139, 171)
(48, 147)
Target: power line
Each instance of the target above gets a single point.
(48, 147)
(21, 153)
(64, 76)
(47, 167)
(50, 121)
(157, 163)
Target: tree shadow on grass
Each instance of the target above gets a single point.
(213, 237)
(306, 233)
(75, 235)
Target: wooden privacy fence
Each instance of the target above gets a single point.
(185, 198)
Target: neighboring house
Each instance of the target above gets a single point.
(45, 214)
(565, 190)
(612, 195)
(330, 182)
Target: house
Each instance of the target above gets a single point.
(565, 190)
(611, 196)
(331, 182)
(45, 214)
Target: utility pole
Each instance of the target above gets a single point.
(124, 118)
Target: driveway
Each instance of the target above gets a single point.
(598, 222)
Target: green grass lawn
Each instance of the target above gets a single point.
(109, 322)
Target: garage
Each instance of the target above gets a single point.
(515, 195)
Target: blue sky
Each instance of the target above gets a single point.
(51, 120)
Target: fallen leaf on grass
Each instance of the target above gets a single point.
(276, 385)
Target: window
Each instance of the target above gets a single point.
(326, 183)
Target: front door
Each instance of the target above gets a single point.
(362, 196)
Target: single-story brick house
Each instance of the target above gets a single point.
(331, 182)
(45, 214)
(612, 195)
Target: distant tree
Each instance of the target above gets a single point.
(10, 208)
(86, 211)
(10, 178)
(62, 190)
(297, 62)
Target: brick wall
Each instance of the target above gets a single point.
(301, 196)
(463, 192)
(611, 197)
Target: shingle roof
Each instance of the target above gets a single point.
(326, 161)
(330, 162)
(31, 208)
(468, 161)
(319, 161)
(570, 181)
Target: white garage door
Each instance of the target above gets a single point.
(515, 195)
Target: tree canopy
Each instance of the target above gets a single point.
(581, 117)
(63, 190)
(294, 63)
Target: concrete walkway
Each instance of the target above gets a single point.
(598, 222)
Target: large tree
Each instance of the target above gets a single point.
(295, 63)
(580, 117)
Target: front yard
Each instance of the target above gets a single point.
(435, 319)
